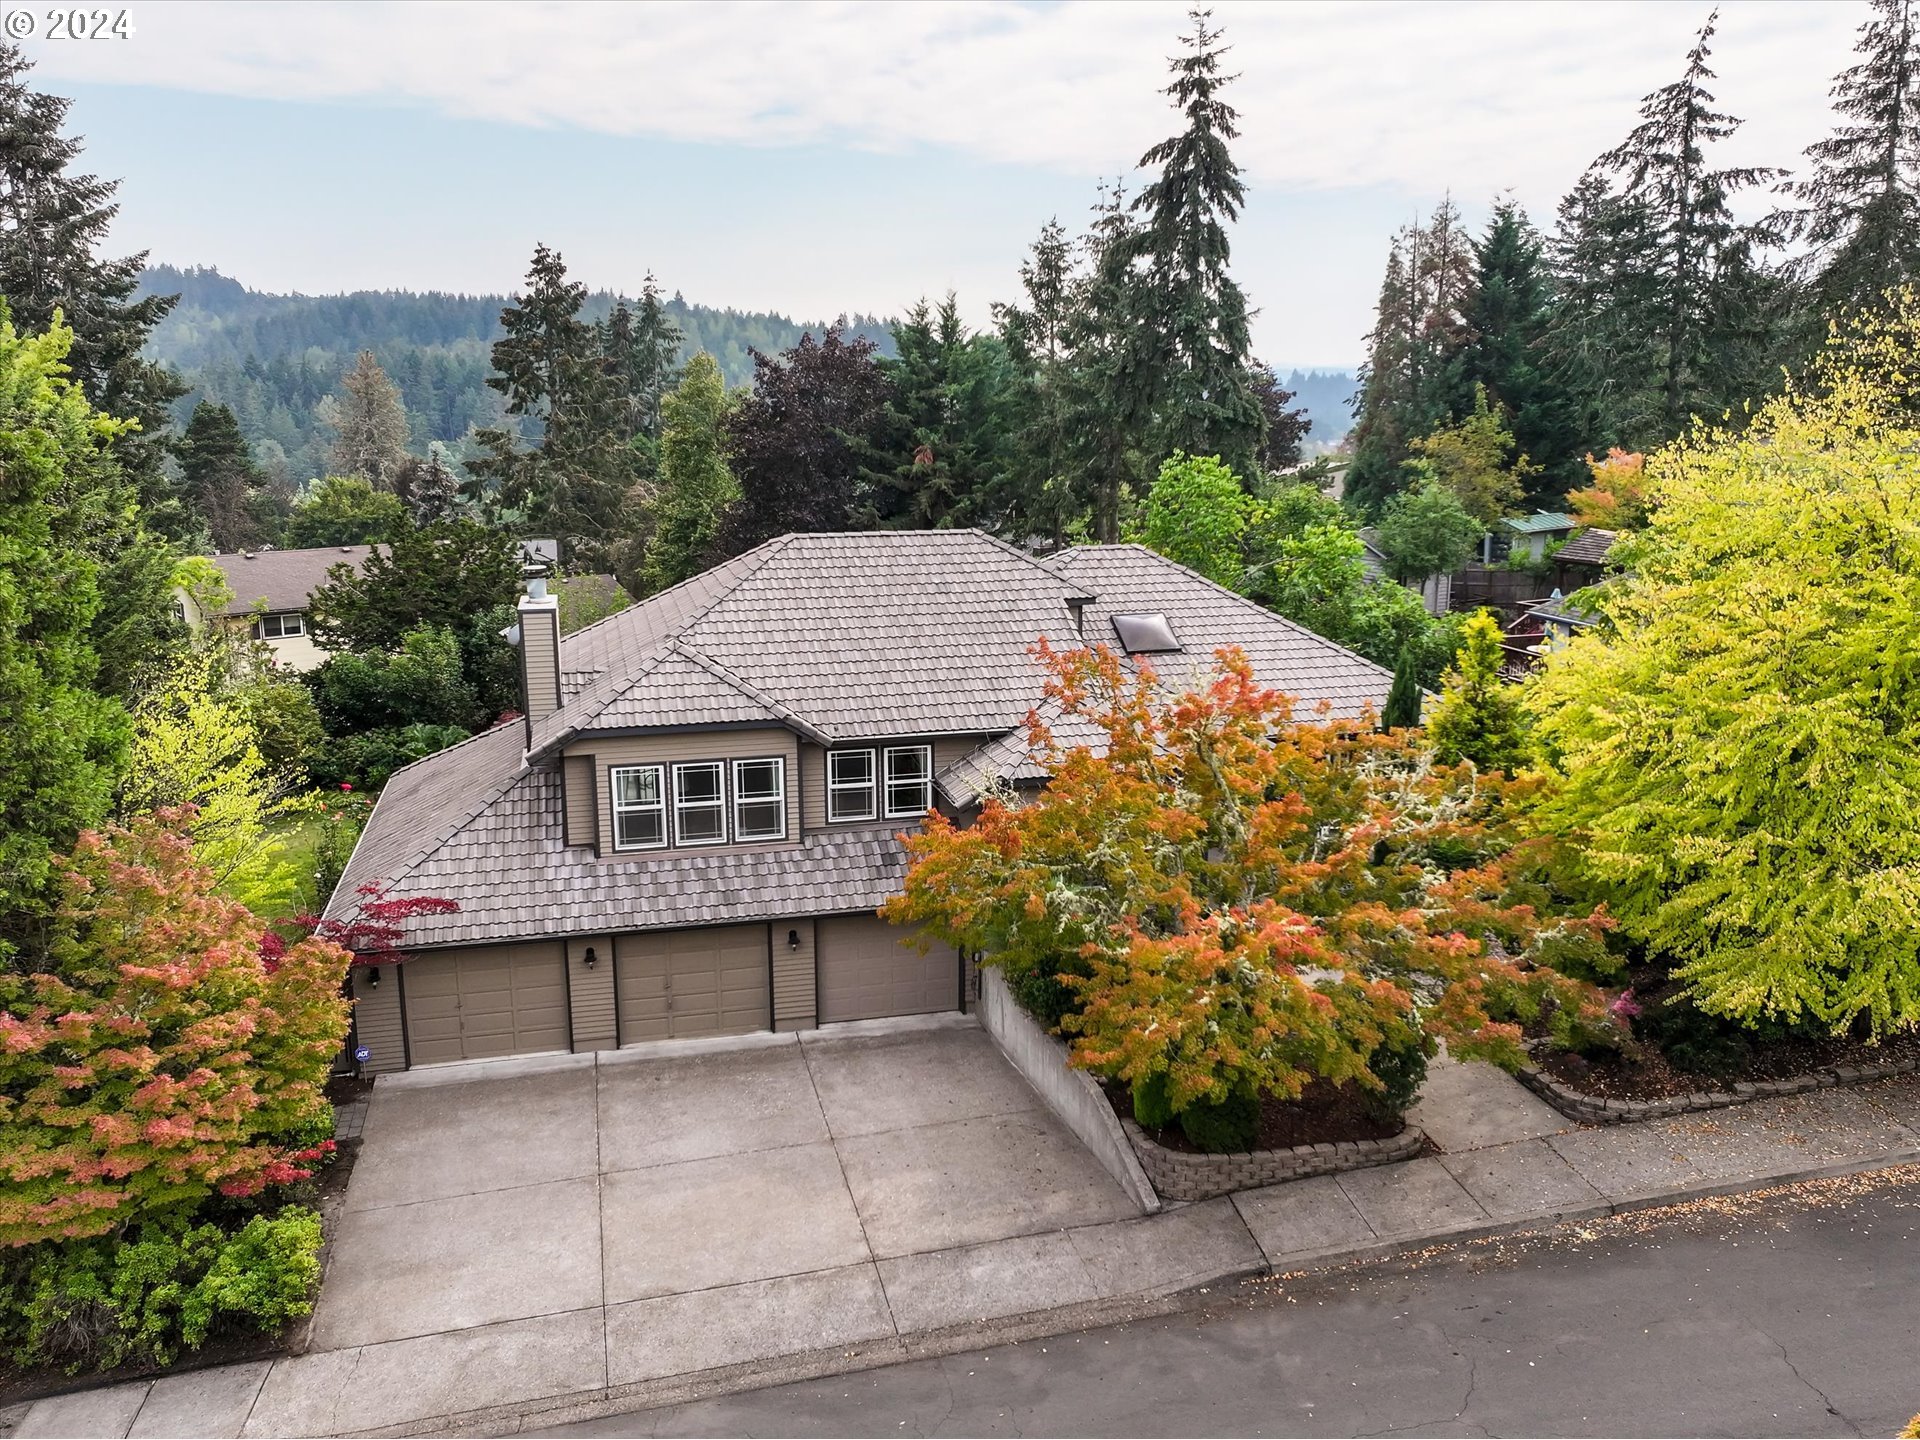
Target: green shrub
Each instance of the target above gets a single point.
(1401, 1067)
(1712, 1045)
(1037, 989)
(1151, 1107)
(165, 1287)
(1230, 1126)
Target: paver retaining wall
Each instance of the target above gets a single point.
(1182, 1175)
(1595, 1110)
(1071, 1094)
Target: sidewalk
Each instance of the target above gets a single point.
(1508, 1161)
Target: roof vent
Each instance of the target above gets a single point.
(1145, 634)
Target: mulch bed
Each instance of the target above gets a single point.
(1654, 1077)
(1323, 1115)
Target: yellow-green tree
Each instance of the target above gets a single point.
(1478, 716)
(1739, 745)
(1475, 461)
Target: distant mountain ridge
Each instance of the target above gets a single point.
(272, 358)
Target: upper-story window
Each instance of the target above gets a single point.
(700, 803)
(852, 785)
(760, 799)
(639, 807)
(909, 773)
(279, 627)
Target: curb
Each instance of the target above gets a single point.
(1041, 1324)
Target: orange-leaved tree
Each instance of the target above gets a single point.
(1238, 901)
(165, 1048)
(1618, 498)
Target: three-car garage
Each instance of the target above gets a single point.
(485, 1002)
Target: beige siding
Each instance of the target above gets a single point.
(577, 782)
(609, 750)
(590, 993)
(540, 649)
(376, 1018)
(813, 770)
(679, 984)
(793, 976)
(870, 969)
(488, 1000)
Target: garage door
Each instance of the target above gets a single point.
(505, 1000)
(869, 968)
(676, 984)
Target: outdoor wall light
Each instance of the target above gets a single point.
(588, 958)
(373, 977)
(793, 939)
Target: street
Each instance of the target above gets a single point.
(1793, 1312)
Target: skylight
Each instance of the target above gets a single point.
(1144, 634)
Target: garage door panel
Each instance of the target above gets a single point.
(869, 970)
(509, 1001)
(681, 984)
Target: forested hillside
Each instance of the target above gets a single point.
(273, 358)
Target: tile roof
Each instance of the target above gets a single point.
(1589, 547)
(866, 635)
(1575, 609)
(283, 579)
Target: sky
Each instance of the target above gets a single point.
(827, 158)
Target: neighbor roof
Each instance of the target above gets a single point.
(282, 579)
(1589, 547)
(1575, 609)
(1541, 522)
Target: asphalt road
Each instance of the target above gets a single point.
(1792, 1313)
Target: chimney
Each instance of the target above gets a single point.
(539, 640)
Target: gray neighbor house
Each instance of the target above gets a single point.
(690, 828)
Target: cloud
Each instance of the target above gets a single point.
(1477, 97)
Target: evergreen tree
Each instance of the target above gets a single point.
(640, 352)
(219, 479)
(945, 424)
(1860, 208)
(429, 489)
(1478, 716)
(1192, 316)
(1443, 282)
(1107, 412)
(1384, 404)
(575, 483)
(696, 487)
(51, 225)
(1507, 313)
(1037, 491)
(369, 424)
(1712, 310)
(801, 442)
(1404, 699)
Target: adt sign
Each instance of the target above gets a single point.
(363, 1054)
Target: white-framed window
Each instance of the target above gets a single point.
(639, 807)
(909, 780)
(700, 803)
(760, 799)
(278, 627)
(852, 785)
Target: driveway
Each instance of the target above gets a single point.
(690, 1198)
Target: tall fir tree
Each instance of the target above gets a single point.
(429, 488)
(1191, 314)
(640, 349)
(945, 424)
(1715, 306)
(220, 481)
(52, 224)
(370, 429)
(1507, 311)
(1385, 402)
(1108, 408)
(696, 486)
(1859, 211)
(1037, 491)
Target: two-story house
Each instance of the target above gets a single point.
(689, 830)
(271, 589)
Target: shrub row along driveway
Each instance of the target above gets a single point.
(816, 1172)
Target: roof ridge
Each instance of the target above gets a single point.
(746, 687)
(1017, 552)
(769, 545)
(1245, 602)
(658, 657)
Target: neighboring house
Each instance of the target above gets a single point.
(690, 829)
(271, 589)
(1435, 592)
(1530, 535)
(1582, 560)
(1559, 618)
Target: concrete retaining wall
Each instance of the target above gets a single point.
(1071, 1094)
(1182, 1175)
(1598, 1111)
